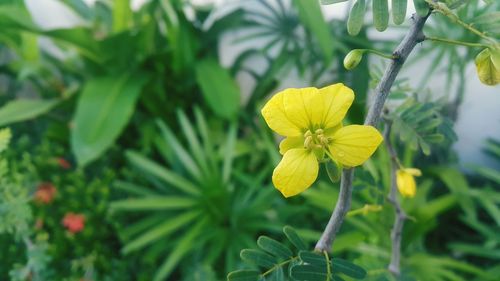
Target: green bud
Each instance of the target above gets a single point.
(353, 58)
(334, 170)
(488, 66)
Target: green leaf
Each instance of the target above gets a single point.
(16, 17)
(181, 248)
(81, 38)
(421, 7)
(274, 247)
(334, 170)
(328, 2)
(154, 203)
(218, 87)
(103, 110)
(258, 257)
(133, 188)
(121, 15)
(5, 136)
(348, 268)
(229, 148)
(25, 109)
(475, 250)
(243, 275)
(310, 14)
(356, 17)
(380, 14)
(307, 272)
(488, 173)
(434, 138)
(292, 235)
(314, 259)
(194, 143)
(182, 155)
(399, 11)
(156, 170)
(158, 231)
(457, 183)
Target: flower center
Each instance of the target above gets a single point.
(316, 140)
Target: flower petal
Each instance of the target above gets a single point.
(301, 106)
(296, 172)
(291, 142)
(353, 145)
(336, 100)
(275, 116)
(406, 183)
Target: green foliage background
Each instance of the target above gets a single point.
(172, 170)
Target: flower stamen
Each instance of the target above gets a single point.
(316, 140)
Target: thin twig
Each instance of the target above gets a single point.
(343, 205)
(400, 216)
(456, 42)
(411, 39)
(444, 10)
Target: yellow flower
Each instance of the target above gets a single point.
(405, 179)
(311, 121)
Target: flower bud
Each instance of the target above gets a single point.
(488, 66)
(353, 58)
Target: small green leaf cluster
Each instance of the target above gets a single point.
(380, 11)
(421, 125)
(277, 261)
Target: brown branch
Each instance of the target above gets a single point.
(411, 39)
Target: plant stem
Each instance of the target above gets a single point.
(380, 54)
(328, 268)
(444, 10)
(411, 39)
(455, 42)
(278, 266)
(400, 217)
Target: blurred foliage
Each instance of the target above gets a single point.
(214, 205)
(139, 127)
(51, 251)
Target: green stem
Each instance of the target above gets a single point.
(328, 269)
(278, 266)
(444, 10)
(455, 42)
(380, 54)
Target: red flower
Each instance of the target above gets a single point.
(74, 222)
(45, 193)
(63, 163)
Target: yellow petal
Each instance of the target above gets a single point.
(486, 66)
(353, 145)
(301, 106)
(291, 142)
(414, 172)
(296, 172)
(336, 100)
(275, 116)
(406, 183)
